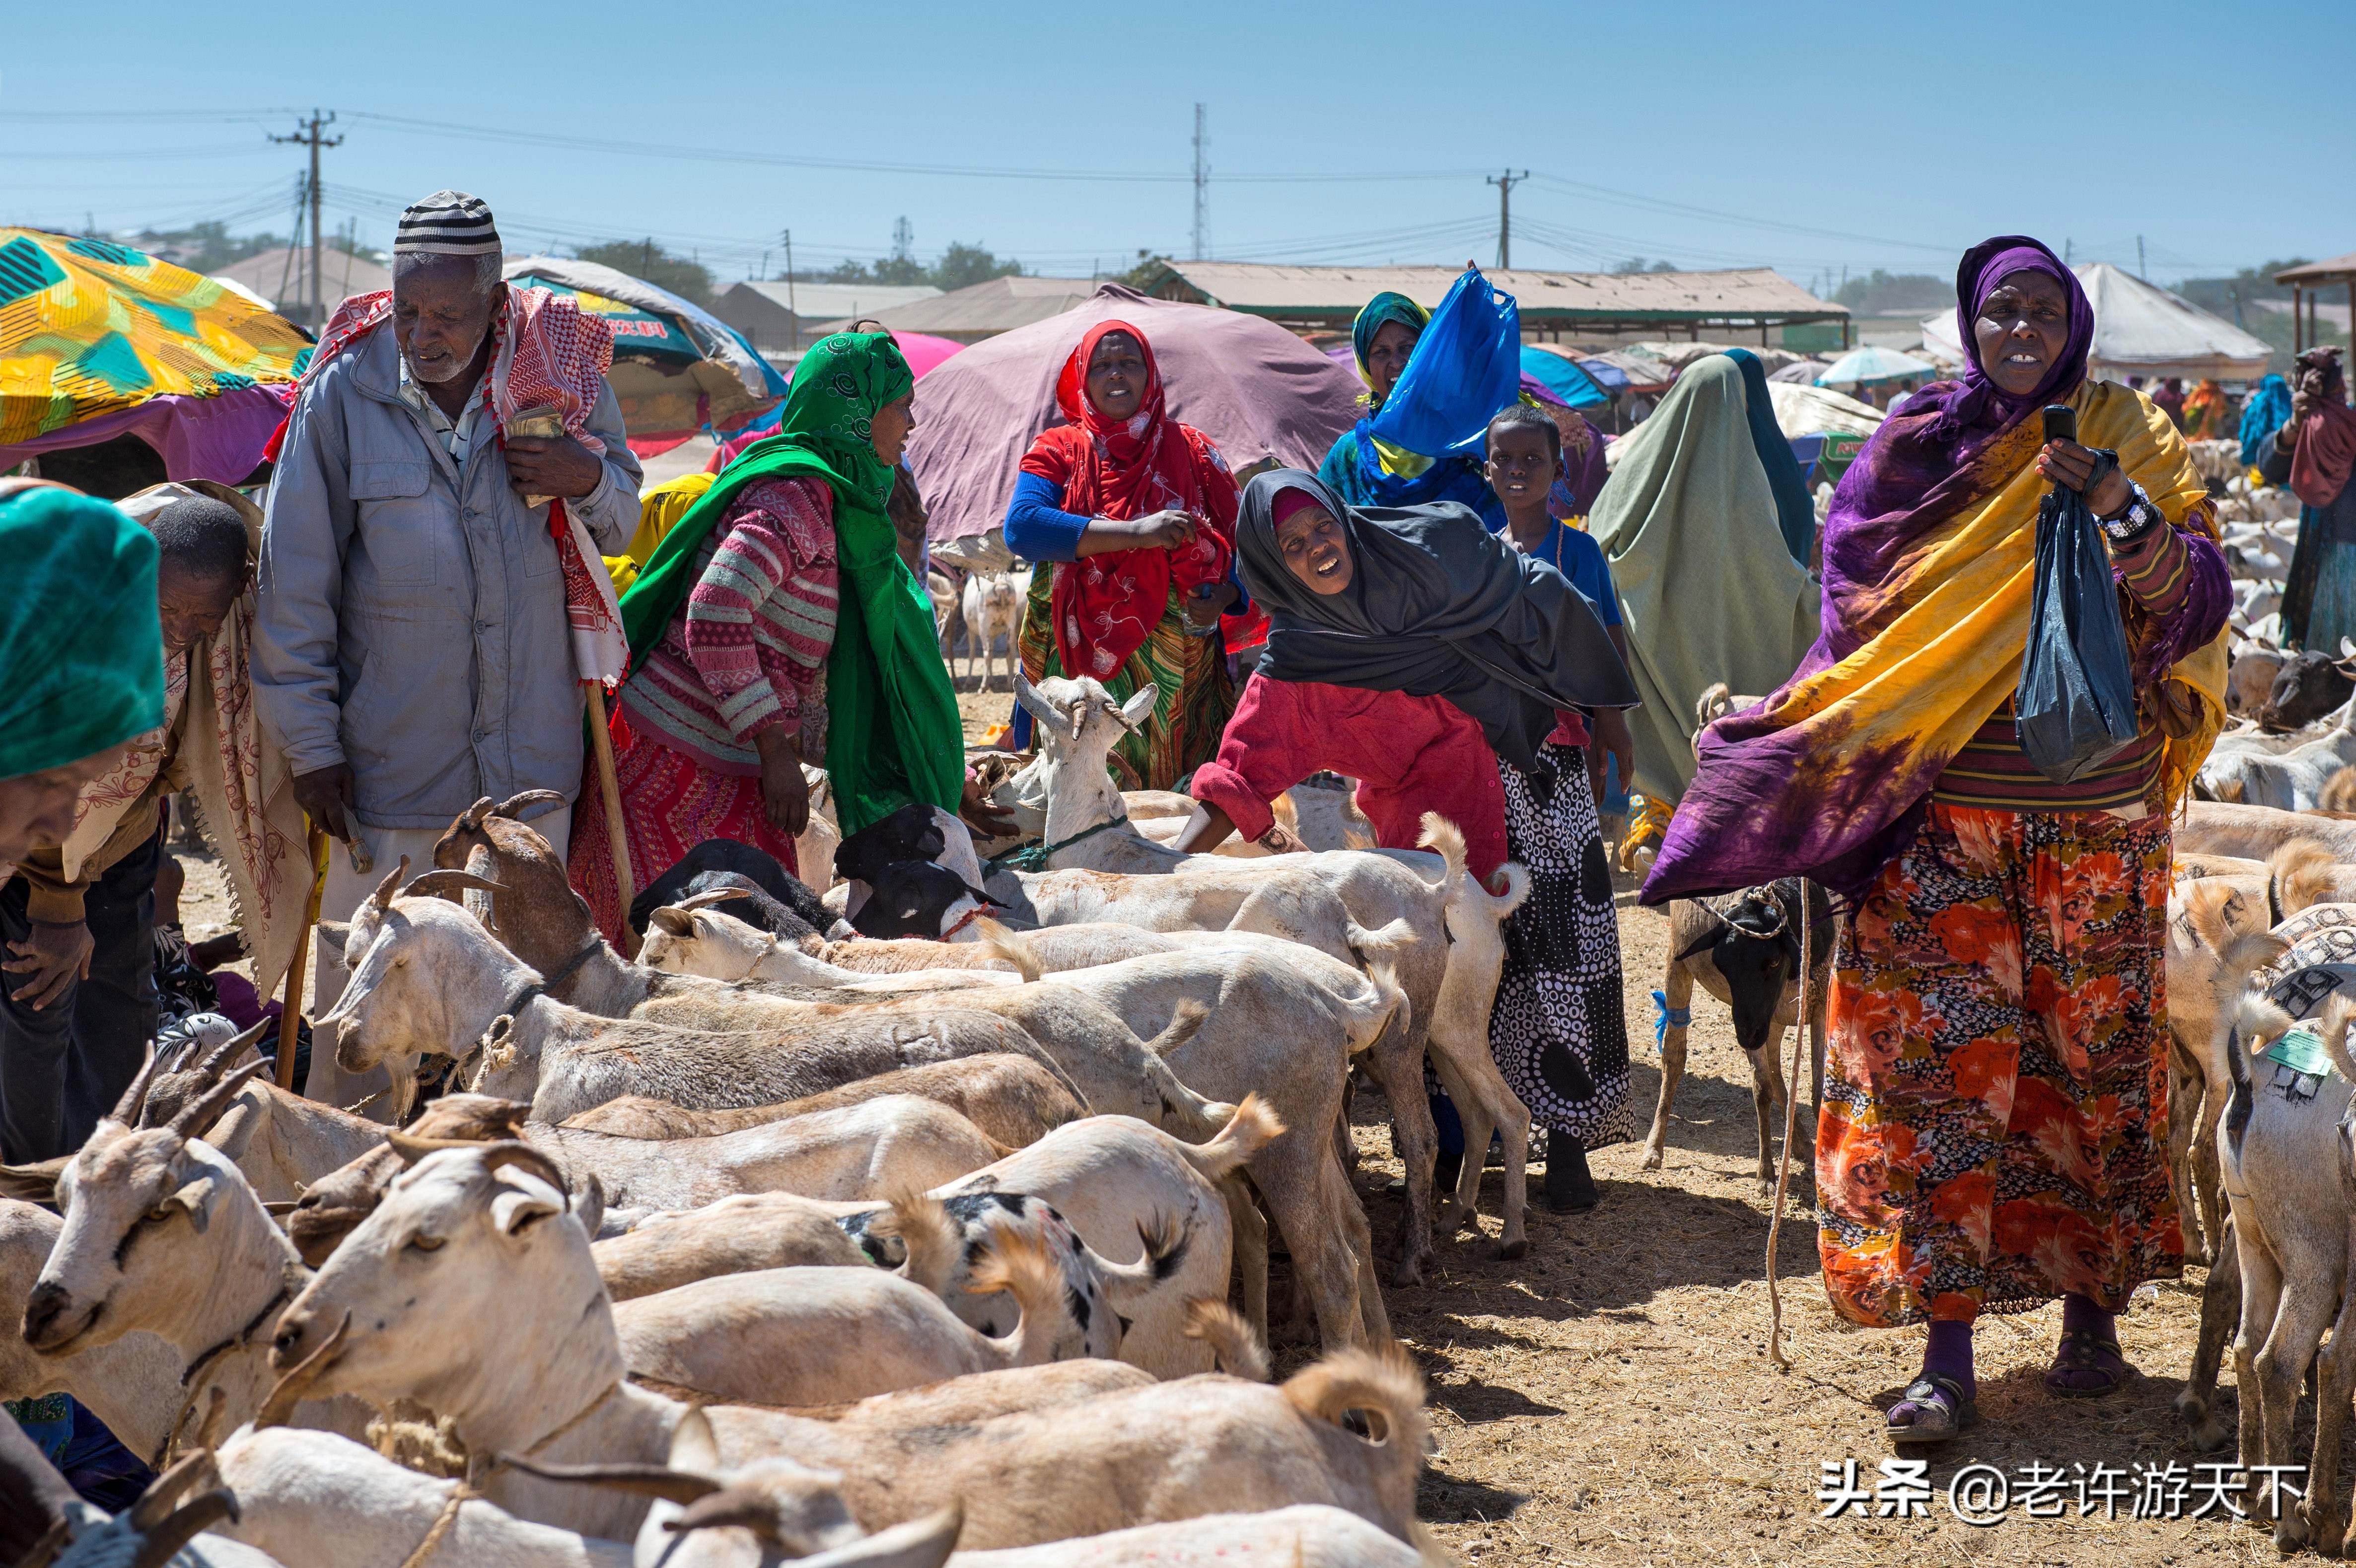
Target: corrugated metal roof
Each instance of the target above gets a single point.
(985, 309)
(1296, 293)
(2339, 269)
(826, 300)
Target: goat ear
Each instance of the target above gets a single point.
(1139, 707)
(196, 1197)
(513, 1210)
(920, 1543)
(1050, 717)
(678, 922)
(36, 1183)
(589, 1205)
(335, 933)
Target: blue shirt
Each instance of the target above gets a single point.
(1578, 557)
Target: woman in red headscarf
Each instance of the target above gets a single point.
(1138, 514)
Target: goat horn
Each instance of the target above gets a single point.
(155, 1504)
(209, 1430)
(471, 819)
(647, 1480)
(708, 898)
(516, 1152)
(738, 1506)
(126, 1109)
(390, 888)
(160, 1544)
(289, 1390)
(212, 1065)
(196, 1120)
(514, 804)
(446, 884)
(678, 922)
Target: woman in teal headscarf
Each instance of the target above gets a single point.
(1421, 441)
(777, 624)
(81, 656)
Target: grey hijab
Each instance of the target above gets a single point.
(1436, 607)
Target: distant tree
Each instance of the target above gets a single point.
(644, 260)
(1639, 265)
(1147, 269)
(2218, 295)
(1877, 292)
(963, 265)
(207, 247)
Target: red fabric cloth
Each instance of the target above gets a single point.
(1106, 606)
(2319, 464)
(669, 804)
(1409, 755)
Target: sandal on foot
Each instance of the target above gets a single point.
(2083, 1350)
(1935, 1409)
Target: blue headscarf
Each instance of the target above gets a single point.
(1794, 513)
(1465, 367)
(2268, 408)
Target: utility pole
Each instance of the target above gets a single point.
(309, 133)
(793, 312)
(1202, 187)
(1504, 184)
(2139, 272)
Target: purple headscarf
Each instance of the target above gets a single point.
(1742, 821)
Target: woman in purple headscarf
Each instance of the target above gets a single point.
(1996, 1102)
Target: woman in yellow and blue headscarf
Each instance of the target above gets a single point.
(1433, 381)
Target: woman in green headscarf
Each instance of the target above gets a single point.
(777, 624)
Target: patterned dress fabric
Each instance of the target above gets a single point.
(748, 652)
(1995, 1091)
(1558, 1028)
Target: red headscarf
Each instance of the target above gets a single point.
(1106, 606)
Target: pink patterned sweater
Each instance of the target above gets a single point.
(749, 653)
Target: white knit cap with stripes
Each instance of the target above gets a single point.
(447, 223)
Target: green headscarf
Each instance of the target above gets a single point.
(82, 647)
(893, 733)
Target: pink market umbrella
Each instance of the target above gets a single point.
(925, 352)
(1252, 387)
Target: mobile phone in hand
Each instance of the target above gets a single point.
(2060, 422)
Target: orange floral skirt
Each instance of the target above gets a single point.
(1995, 1125)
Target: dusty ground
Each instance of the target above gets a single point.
(1607, 1399)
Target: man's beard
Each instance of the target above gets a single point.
(457, 365)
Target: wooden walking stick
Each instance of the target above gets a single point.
(610, 790)
(290, 1009)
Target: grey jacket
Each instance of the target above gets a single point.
(411, 613)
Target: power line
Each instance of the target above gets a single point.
(1202, 187)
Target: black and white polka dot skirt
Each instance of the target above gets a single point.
(1559, 1030)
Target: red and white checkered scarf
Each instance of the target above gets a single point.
(547, 353)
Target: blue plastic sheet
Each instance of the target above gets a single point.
(1466, 366)
(1574, 387)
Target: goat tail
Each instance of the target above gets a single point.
(1251, 1128)
(1183, 1109)
(1382, 1388)
(2301, 874)
(1016, 1261)
(932, 1238)
(1392, 1005)
(1445, 839)
(1234, 1347)
(1009, 947)
(2339, 1013)
(1464, 890)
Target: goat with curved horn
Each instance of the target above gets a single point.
(471, 819)
(126, 1109)
(291, 1388)
(390, 888)
(514, 804)
(197, 1117)
(449, 885)
(515, 1152)
(646, 1480)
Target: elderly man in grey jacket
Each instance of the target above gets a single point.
(412, 651)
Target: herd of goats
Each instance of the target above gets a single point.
(781, 1238)
(927, 1219)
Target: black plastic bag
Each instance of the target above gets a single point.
(2076, 699)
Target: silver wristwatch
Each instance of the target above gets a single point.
(2136, 516)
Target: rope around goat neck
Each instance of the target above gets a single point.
(1775, 1356)
(465, 1489)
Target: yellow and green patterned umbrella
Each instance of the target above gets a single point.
(90, 329)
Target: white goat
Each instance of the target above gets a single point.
(993, 608)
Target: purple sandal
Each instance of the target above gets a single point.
(1934, 1410)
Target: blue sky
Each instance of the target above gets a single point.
(1807, 137)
